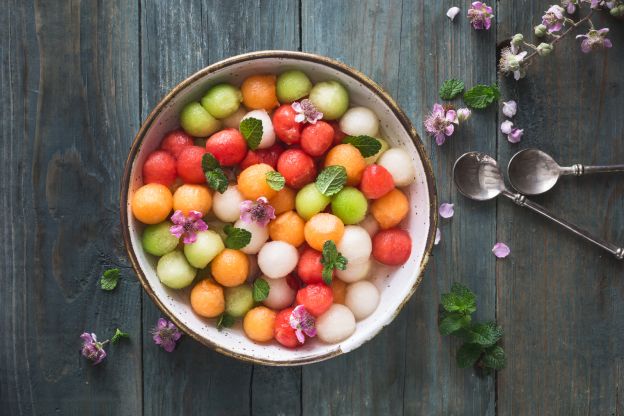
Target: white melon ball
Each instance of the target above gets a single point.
(259, 236)
(254, 270)
(233, 121)
(355, 244)
(355, 271)
(370, 224)
(268, 133)
(226, 206)
(399, 163)
(359, 121)
(281, 295)
(336, 324)
(362, 298)
(277, 258)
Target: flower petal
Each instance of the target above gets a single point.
(501, 250)
(176, 230)
(438, 237)
(200, 225)
(510, 108)
(440, 138)
(515, 136)
(178, 218)
(448, 130)
(446, 210)
(452, 12)
(189, 238)
(506, 126)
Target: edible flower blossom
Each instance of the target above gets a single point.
(595, 39)
(307, 112)
(303, 323)
(501, 250)
(553, 18)
(510, 108)
(441, 123)
(452, 12)
(187, 226)
(446, 210)
(92, 349)
(259, 212)
(480, 15)
(166, 334)
(569, 5)
(512, 62)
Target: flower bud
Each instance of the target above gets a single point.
(540, 31)
(617, 11)
(544, 49)
(517, 39)
(463, 114)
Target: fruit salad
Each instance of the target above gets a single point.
(274, 202)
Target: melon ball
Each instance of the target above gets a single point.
(356, 244)
(331, 98)
(399, 163)
(174, 270)
(226, 206)
(233, 121)
(277, 258)
(268, 133)
(259, 236)
(281, 295)
(336, 324)
(370, 224)
(254, 270)
(359, 121)
(205, 248)
(362, 298)
(355, 271)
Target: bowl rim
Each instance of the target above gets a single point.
(277, 54)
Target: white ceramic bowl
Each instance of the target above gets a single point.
(396, 284)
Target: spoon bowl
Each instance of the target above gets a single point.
(533, 172)
(478, 176)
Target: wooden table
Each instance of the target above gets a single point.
(77, 78)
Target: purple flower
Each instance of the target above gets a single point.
(569, 5)
(440, 123)
(91, 349)
(501, 250)
(553, 18)
(303, 323)
(510, 108)
(438, 237)
(187, 226)
(260, 211)
(595, 39)
(307, 112)
(512, 62)
(452, 12)
(166, 334)
(480, 15)
(446, 210)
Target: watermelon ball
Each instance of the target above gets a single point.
(174, 271)
(286, 128)
(399, 163)
(350, 205)
(362, 298)
(330, 98)
(227, 146)
(392, 247)
(238, 300)
(355, 271)
(198, 122)
(222, 100)
(175, 141)
(281, 295)
(268, 133)
(159, 167)
(259, 235)
(283, 332)
(355, 244)
(226, 205)
(158, 240)
(292, 85)
(277, 259)
(370, 224)
(267, 156)
(316, 298)
(376, 182)
(310, 268)
(205, 248)
(339, 135)
(384, 146)
(309, 201)
(317, 138)
(335, 325)
(189, 165)
(359, 121)
(233, 121)
(296, 167)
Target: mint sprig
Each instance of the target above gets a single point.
(109, 280)
(275, 180)
(367, 145)
(331, 180)
(481, 96)
(215, 176)
(260, 290)
(451, 88)
(118, 336)
(237, 238)
(225, 321)
(251, 129)
(331, 260)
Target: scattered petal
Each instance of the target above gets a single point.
(510, 108)
(438, 237)
(515, 136)
(446, 210)
(501, 250)
(452, 12)
(506, 126)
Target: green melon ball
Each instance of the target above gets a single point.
(309, 201)
(238, 300)
(350, 205)
(158, 240)
(204, 249)
(384, 146)
(174, 270)
(222, 100)
(330, 98)
(292, 85)
(198, 122)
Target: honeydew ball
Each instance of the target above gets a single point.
(277, 258)
(336, 324)
(238, 300)
(233, 121)
(350, 205)
(222, 100)
(268, 133)
(158, 240)
(205, 248)
(355, 244)
(331, 98)
(358, 121)
(384, 146)
(174, 271)
(309, 201)
(198, 122)
(362, 298)
(370, 224)
(281, 295)
(292, 85)
(399, 164)
(226, 206)
(259, 236)
(355, 271)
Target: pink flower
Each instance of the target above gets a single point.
(570, 5)
(166, 334)
(440, 123)
(553, 18)
(303, 323)
(452, 12)
(307, 112)
(446, 210)
(187, 226)
(91, 349)
(595, 39)
(510, 108)
(260, 211)
(480, 15)
(501, 250)
(438, 237)
(512, 62)
(515, 136)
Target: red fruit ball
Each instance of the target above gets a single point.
(310, 268)
(392, 247)
(227, 146)
(317, 138)
(159, 167)
(338, 134)
(268, 156)
(189, 164)
(376, 182)
(316, 298)
(296, 167)
(286, 128)
(284, 333)
(175, 141)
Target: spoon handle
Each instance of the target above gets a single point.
(578, 169)
(521, 200)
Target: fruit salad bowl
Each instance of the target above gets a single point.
(395, 285)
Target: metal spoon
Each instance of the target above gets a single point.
(477, 176)
(534, 172)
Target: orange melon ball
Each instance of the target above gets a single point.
(350, 157)
(207, 299)
(230, 267)
(191, 197)
(258, 324)
(259, 92)
(283, 201)
(339, 290)
(323, 227)
(287, 227)
(152, 203)
(390, 209)
(252, 182)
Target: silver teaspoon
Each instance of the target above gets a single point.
(534, 172)
(477, 176)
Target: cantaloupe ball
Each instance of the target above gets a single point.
(355, 244)
(359, 121)
(390, 209)
(226, 206)
(230, 268)
(350, 158)
(192, 197)
(252, 182)
(152, 203)
(400, 165)
(336, 324)
(287, 227)
(283, 201)
(258, 324)
(355, 271)
(322, 227)
(259, 236)
(281, 295)
(370, 224)
(277, 259)
(362, 298)
(207, 299)
(268, 132)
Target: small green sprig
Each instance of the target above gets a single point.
(109, 280)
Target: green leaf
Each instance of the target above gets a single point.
(260, 290)
(367, 145)
(251, 129)
(486, 334)
(331, 180)
(495, 358)
(453, 322)
(481, 96)
(109, 279)
(331, 259)
(119, 334)
(237, 238)
(460, 299)
(451, 88)
(225, 321)
(209, 162)
(214, 174)
(468, 354)
(275, 180)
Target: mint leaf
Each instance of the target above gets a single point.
(108, 281)
(209, 162)
(495, 358)
(451, 88)
(367, 145)
(485, 334)
(468, 354)
(119, 334)
(460, 299)
(331, 180)
(275, 180)
(251, 129)
(331, 259)
(237, 238)
(260, 290)
(214, 174)
(225, 321)
(453, 322)
(481, 96)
